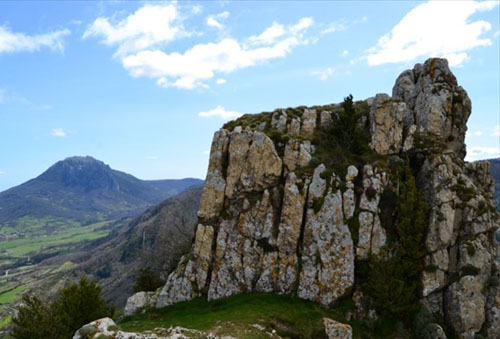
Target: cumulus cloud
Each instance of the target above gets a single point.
(201, 62)
(148, 27)
(11, 42)
(434, 28)
(219, 81)
(215, 20)
(142, 36)
(58, 133)
(482, 152)
(220, 112)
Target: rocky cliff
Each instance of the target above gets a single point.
(369, 200)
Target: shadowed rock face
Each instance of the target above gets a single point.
(274, 218)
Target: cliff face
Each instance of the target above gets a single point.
(308, 201)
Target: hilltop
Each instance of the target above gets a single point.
(85, 190)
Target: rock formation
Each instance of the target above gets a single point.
(281, 212)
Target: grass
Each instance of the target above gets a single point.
(5, 320)
(74, 234)
(8, 297)
(289, 316)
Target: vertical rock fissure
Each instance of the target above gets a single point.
(300, 242)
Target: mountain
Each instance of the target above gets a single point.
(156, 239)
(495, 173)
(85, 190)
(366, 208)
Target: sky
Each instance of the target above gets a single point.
(144, 85)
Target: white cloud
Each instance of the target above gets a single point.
(215, 20)
(478, 133)
(324, 74)
(220, 81)
(345, 53)
(197, 9)
(2, 172)
(496, 131)
(19, 42)
(150, 26)
(141, 38)
(220, 112)
(201, 62)
(206, 152)
(435, 28)
(269, 36)
(58, 133)
(151, 157)
(334, 27)
(482, 152)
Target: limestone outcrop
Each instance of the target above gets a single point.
(281, 212)
(106, 328)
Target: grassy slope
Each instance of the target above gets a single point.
(21, 278)
(289, 316)
(24, 246)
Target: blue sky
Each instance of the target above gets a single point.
(144, 85)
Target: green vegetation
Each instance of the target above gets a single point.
(23, 246)
(392, 279)
(5, 321)
(148, 280)
(289, 316)
(345, 142)
(75, 306)
(9, 296)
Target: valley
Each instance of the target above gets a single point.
(53, 227)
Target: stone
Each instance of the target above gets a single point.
(297, 154)
(212, 198)
(268, 222)
(432, 281)
(325, 119)
(278, 120)
(328, 253)
(435, 102)
(386, 124)
(140, 301)
(433, 331)
(336, 330)
(308, 122)
(289, 232)
(465, 306)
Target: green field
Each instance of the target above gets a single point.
(73, 234)
(288, 316)
(9, 296)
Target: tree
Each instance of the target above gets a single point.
(75, 306)
(35, 320)
(147, 280)
(79, 304)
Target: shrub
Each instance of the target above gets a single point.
(75, 306)
(147, 280)
(393, 278)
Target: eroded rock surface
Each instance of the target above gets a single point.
(275, 216)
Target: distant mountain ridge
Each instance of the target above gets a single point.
(85, 189)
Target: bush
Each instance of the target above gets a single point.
(148, 280)
(75, 306)
(393, 278)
